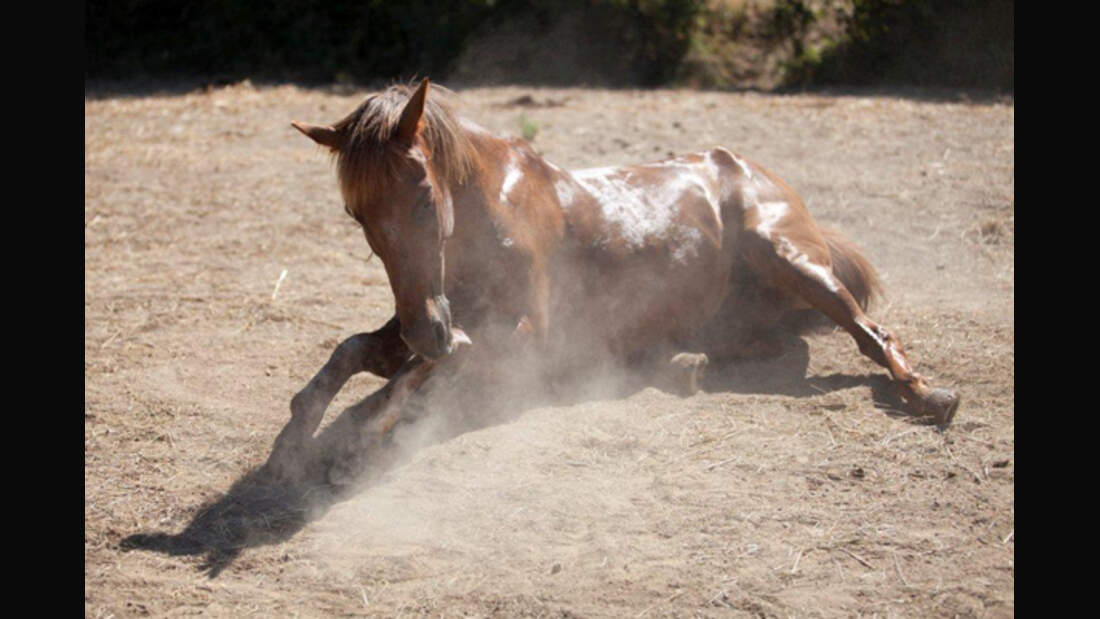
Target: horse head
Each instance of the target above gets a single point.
(392, 185)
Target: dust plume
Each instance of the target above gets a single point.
(458, 405)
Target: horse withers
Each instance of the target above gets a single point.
(490, 248)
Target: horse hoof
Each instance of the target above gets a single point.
(689, 369)
(941, 405)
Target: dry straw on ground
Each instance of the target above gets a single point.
(220, 270)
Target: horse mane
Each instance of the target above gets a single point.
(369, 155)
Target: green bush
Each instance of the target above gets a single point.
(968, 43)
(628, 42)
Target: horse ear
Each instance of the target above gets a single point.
(410, 116)
(325, 136)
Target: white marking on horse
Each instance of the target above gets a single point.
(800, 260)
(702, 176)
(688, 240)
(636, 213)
(744, 166)
(566, 191)
(513, 174)
(797, 258)
(769, 214)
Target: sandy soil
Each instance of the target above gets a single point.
(787, 488)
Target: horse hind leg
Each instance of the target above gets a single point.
(684, 373)
(670, 367)
(809, 268)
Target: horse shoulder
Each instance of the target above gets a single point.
(527, 218)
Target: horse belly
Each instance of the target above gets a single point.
(651, 308)
(626, 298)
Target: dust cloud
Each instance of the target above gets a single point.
(390, 493)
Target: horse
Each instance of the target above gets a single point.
(491, 248)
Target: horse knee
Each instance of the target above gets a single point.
(384, 352)
(304, 407)
(352, 350)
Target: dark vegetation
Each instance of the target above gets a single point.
(708, 43)
(924, 42)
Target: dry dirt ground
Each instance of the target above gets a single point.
(787, 488)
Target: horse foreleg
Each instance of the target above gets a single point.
(362, 428)
(381, 352)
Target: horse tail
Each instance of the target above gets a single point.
(852, 268)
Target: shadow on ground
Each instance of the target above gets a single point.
(259, 510)
(253, 512)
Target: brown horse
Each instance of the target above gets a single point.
(480, 235)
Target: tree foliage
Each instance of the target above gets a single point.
(965, 42)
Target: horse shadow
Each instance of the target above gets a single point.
(788, 375)
(260, 510)
(253, 512)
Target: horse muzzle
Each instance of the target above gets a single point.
(433, 337)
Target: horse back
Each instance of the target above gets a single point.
(646, 248)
